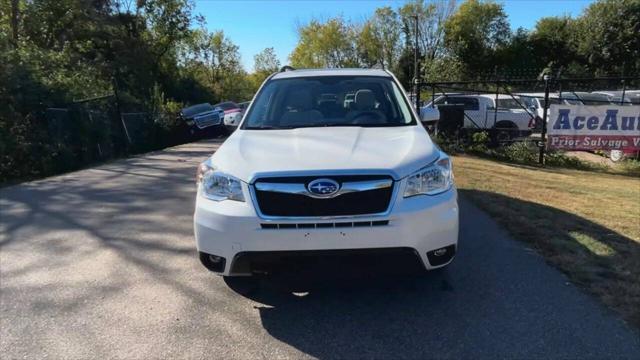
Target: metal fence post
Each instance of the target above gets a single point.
(416, 69)
(543, 140)
(115, 93)
(433, 96)
(495, 110)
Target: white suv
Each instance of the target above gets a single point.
(326, 160)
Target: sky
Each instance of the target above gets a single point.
(255, 25)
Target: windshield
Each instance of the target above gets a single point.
(329, 101)
(227, 105)
(509, 104)
(529, 101)
(594, 99)
(196, 109)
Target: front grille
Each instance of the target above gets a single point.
(366, 202)
(341, 224)
(207, 120)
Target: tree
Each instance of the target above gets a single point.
(215, 59)
(168, 23)
(15, 19)
(475, 32)
(607, 36)
(431, 20)
(331, 44)
(377, 41)
(553, 41)
(266, 61)
(519, 58)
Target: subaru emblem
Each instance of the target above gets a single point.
(323, 188)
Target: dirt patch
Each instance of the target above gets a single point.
(592, 158)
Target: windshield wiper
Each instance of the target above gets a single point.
(268, 127)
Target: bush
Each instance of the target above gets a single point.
(630, 166)
(479, 143)
(45, 143)
(447, 145)
(518, 152)
(527, 153)
(559, 159)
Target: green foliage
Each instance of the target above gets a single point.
(331, 44)
(554, 40)
(431, 19)
(266, 61)
(475, 32)
(377, 41)
(159, 56)
(607, 36)
(479, 143)
(447, 144)
(630, 166)
(447, 68)
(527, 153)
(474, 39)
(518, 152)
(56, 52)
(559, 159)
(214, 61)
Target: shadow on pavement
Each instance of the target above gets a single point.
(496, 299)
(597, 258)
(86, 255)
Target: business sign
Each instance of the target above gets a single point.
(602, 127)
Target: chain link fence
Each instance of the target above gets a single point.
(63, 138)
(515, 111)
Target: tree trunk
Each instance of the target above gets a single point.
(15, 15)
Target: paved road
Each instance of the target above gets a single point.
(101, 263)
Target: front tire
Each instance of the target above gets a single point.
(616, 155)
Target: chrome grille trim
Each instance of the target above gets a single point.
(378, 216)
(207, 119)
(301, 189)
(330, 225)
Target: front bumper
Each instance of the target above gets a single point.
(422, 223)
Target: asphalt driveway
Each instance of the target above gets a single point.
(101, 263)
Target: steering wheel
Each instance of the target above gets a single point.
(368, 117)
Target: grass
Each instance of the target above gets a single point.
(583, 222)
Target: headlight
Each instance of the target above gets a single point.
(218, 186)
(431, 180)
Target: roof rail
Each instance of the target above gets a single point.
(287, 68)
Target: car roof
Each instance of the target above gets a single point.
(586, 95)
(329, 72)
(488, 96)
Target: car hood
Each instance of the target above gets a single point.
(397, 151)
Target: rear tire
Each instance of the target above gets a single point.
(503, 137)
(504, 132)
